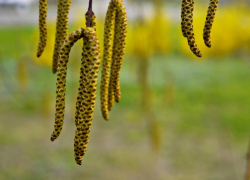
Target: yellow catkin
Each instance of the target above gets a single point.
(183, 13)
(61, 29)
(22, 75)
(42, 26)
(111, 96)
(107, 58)
(61, 80)
(188, 18)
(118, 47)
(209, 22)
(89, 73)
(85, 49)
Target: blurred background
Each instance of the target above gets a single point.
(180, 117)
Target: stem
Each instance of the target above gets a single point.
(89, 13)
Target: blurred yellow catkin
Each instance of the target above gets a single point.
(159, 27)
(155, 134)
(169, 94)
(22, 74)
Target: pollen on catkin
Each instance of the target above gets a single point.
(107, 58)
(61, 80)
(61, 29)
(188, 25)
(209, 22)
(42, 27)
(88, 82)
(118, 47)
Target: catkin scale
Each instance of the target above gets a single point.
(61, 29)
(61, 80)
(188, 26)
(106, 62)
(209, 22)
(88, 81)
(118, 47)
(42, 26)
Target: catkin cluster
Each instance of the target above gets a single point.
(87, 86)
(61, 28)
(187, 24)
(114, 48)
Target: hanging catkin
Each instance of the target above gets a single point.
(188, 18)
(42, 26)
(85, 47)
(61, 80)
(118, 47)
(61, 29)
(107, 58)
(209, 22)
(183, 14)
(88, 82)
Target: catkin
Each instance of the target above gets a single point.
(88, 82)
(118, 47)
(188, 25)
(42, 26)
(85, 49)
(209, 22)
(61, 29)
(183, 14)
(61, 80)
(107, 58)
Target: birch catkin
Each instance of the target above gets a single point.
(61, 29)
(209, 22)
(183, 14)
(118, 47)
(61, 80)
(107, 58)
(188, 18)
(42, 26)
(89, 73)
(85, 47)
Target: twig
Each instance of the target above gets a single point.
(89, 13)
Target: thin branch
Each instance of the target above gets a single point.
(89, 13)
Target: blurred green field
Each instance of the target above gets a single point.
(204, 125)
(191, 124)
